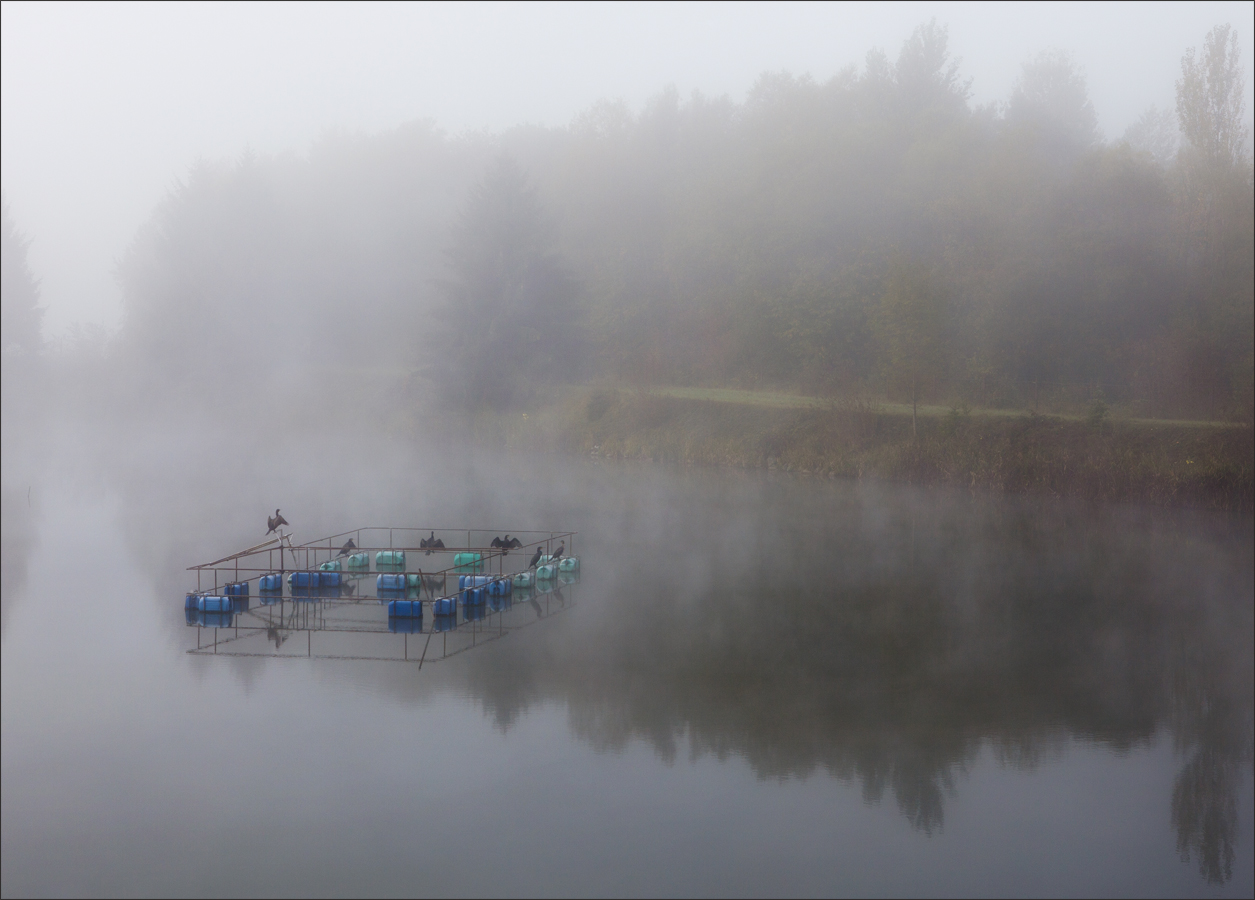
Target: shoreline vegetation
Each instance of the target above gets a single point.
(1159, 462)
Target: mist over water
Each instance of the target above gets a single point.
(769, 684)
(977, 276)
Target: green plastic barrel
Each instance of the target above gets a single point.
(331, 565)
(390, 560)
(546, 573)
(468, 562)
(522, 580)
(359, 562)
(569, 564)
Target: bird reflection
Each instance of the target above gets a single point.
(273, 634)
(540, 613)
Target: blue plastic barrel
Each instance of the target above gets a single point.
(212, 604)
(303, 580)
(329, 579)
(192, 601)
(405, 624)
(470, 581)
(499, 588)
(444, 606)
(214, 620)
(390, 583)
(474, 596)
(236, 589)
(272, 581)
(193, 617)
(444, 623)
(406, 608)
(499, 603)
(471, 612)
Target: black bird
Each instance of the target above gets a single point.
(506, 544)
(557, 554)
(431, 543)
(348, 548)
(275, 521)
(535, 559)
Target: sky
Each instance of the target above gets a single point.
(104, 107)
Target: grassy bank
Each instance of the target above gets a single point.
(1163, 464)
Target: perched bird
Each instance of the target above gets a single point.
(506, 544)
(535, 559)
(275, 521)
(557, 554)
(348, 548)
(430, 544)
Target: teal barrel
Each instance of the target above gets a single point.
(390, 561)
(523, 580)
(569, 564)
(468, 562)
(546, 573)
(331, 565)
(359, 562)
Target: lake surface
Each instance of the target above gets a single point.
(768, 685)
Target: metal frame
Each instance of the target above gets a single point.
(361, 614)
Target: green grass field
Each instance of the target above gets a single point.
(798, 401)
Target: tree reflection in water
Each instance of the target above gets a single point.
(892, 655)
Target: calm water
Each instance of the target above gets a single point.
(767, 685)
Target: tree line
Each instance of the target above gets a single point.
(873, 232)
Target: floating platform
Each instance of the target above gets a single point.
(460, 584)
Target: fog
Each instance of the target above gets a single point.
(104, 109)
(640, 273)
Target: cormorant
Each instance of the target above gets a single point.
(557, 554)
(506, 544)
(348, 548)
(431, 543)
(275, 521)
(535, 559)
